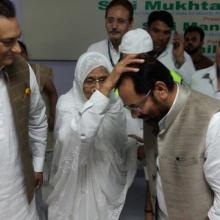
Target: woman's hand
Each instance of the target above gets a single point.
(121, 67)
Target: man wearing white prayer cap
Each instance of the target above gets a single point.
(136, 41)
(168, 45)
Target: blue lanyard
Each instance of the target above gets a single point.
(110, 55)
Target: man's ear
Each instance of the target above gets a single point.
(160, 90)
(131, 24)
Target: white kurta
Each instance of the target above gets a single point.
(102, 47)
(186, 70)
(13, 201)
(205, 81)
(92, 166)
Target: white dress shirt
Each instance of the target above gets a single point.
(186, 70)
(13, 201)
(206, 82)
(102, 47)
(211, 166)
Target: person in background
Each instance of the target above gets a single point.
(160, 25)
(118, 20)
(44, 76)
(194, 40)
(23, 125)
(93, 164)
(207, 80)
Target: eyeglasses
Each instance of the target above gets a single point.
(111, 20)
(138, 106)
(9, 42)
(91, 82)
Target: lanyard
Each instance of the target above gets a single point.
(110, 55)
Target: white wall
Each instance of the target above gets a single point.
(63, 70)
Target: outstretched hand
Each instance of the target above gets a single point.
(121, 67)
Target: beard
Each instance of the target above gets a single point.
(192, 50)
(115, 42)
(158, 49)
(154, 117)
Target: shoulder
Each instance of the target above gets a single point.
(200, 73)
(18, 67)
(65, 102)
(169, 50)
(204, 102)
(98, 46)
(41, 66)
(43, 69)
(207, 61)
(166, 55)
(215, 121)
(214, 128)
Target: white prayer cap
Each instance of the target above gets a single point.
(136, 41)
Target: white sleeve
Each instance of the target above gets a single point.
(187, 69)
(89, 121)
(91, 115)
(90, 48)
(212, 164)
(37, 124)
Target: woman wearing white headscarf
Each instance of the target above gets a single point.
(92, 165)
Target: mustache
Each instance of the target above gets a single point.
(115, 31)
(189, 46)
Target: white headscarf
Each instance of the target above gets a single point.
(86, 63)
(97, 188)
(136, 41)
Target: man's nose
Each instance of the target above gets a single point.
(160, 36)
(115, 24)
(16, 48)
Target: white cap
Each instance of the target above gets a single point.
(136, 41)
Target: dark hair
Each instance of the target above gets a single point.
(23, 47)
(163, 16)
(149, 72)
(7, 9)
(124, 3)
(195, 29)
